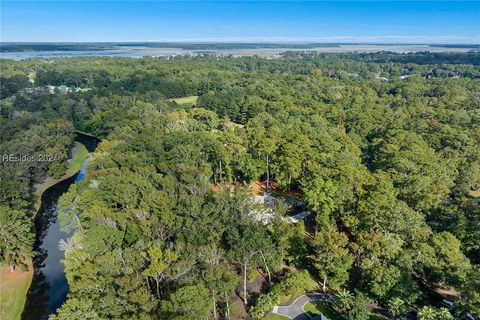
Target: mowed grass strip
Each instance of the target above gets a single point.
(79, 154)
(13, 292)
(273, 316)
(475, 193)
(317, 308)
(185, 101)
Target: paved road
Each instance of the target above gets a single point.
(295, 310)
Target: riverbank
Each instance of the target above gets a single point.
(85, 134)
(49, 287)
(14, 285)
(79, 155)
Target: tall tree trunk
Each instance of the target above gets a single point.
(245, 283)
(80, 228)
(228, 306)
(429, 275)
(220, 174)
(148, 284)
(214, 306)
(158, 287)
(268, 174)
(266, 268)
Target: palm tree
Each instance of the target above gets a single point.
(427, 313)
(396, 306)
(344, 299)
(444, 314)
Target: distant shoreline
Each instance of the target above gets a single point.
(196, 46)
(22, 51)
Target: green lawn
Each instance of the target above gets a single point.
(312, 284)
(13, 293)
(185, 101)
(316, 308)
(79, 154)
(475, 194)
(273, 316)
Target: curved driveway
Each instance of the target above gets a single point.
(295, 310)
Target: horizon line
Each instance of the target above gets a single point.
(240, 42)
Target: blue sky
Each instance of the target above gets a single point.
(275, 21)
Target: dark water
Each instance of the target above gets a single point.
(88, 141)
(49, 286)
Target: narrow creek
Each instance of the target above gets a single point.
(49, 287)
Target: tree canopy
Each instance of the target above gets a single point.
(163, 223)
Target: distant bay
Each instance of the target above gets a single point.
(42, 51)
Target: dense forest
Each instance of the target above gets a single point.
(382, 151)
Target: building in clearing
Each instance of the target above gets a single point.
(64, 89)
(266, 212)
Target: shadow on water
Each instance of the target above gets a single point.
(89, 142)
(49, 287)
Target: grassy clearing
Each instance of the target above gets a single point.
(312, 284)
(475, 193)
(79, 154)
(13, 292)
(185, 101)
(316, 308)
(273, 316)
